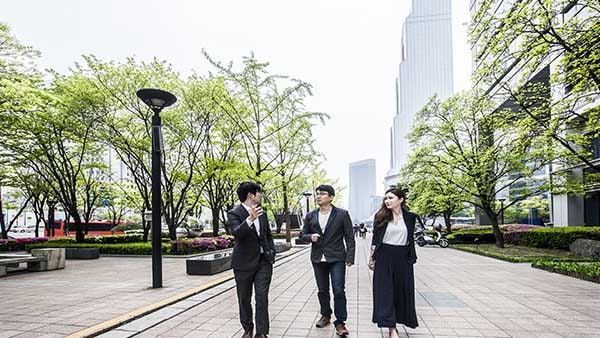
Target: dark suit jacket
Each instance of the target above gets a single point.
(246, 249)
(331, 243)
(409, 219)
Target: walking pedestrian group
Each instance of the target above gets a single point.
(332, 234)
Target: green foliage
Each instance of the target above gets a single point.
(556, 238)
(112, 239)
(471, 153)
(518, 254)
(585, 271)
(127, 226)
(136, 248)
(547, 238)
(561, 100)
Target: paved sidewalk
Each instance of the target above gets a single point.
(86, 293)
(458, 295)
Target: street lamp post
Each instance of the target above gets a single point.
(502, 209)
(157, 100)
(307, 195)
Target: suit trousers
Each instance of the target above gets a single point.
(261, 280)
(337, 271)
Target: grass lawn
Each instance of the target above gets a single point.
(519, 254)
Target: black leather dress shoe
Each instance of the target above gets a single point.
(247, 334)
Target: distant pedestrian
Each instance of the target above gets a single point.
(363, 231)
(252, 258)
(328, 228)
(355, 229)
(392, 258)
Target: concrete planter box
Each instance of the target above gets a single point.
(209, 264)
(55, 257)
(82, 253)
(282, 246)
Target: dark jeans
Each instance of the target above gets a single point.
(261, 280)
(337, 271)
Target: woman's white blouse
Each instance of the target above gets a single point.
(396, 233)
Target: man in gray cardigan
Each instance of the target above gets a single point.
(327, 228)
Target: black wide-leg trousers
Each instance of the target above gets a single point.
(393, 287)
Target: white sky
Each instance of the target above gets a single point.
(349, 50)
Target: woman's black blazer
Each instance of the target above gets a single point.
(379, 231)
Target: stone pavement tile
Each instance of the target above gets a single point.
(421, 330)
(494, 333)
(9, 333)
(467, 332)
(295, 332)
(219, 335)
(442, 331)
(210, 326)
(188, 325)
(175, 333)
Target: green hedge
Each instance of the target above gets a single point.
(468, 236)
(114, 249)
(178, 247)
(111, 239)
(553, 238)
(586, 271)
(549, 238)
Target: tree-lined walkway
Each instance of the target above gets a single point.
(458, 295)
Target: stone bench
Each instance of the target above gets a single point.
(282, 246)
(55, 257)
(13, 261)
(209, 264)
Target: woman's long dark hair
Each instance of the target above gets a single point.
(384, 214)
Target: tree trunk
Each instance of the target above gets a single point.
(447, 222)
(286, 215)
(215, 221)
(495, 228)
(2, 224)
(37, 227)
(79, 235)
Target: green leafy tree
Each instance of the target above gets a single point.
(488, 150)
(543, 58)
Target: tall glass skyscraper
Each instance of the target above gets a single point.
(362, 187)
(425, 70)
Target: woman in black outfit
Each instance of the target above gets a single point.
(392, 258)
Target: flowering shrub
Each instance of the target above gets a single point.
(19, 243)
(186, 247)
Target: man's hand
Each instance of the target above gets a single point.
(255, 212)
(315, 237)
(349, 264)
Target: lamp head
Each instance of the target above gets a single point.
(156, 99)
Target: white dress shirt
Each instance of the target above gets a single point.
(323, 218)
(396, 233)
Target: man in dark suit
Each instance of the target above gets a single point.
(328, 228)
(253, 257)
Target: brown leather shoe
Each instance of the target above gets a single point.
(324, 321)
(341, 330)
(248, 334)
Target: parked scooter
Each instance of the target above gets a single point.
(422, 239)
